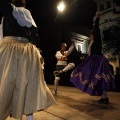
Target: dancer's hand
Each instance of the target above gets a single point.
(64, 57)
(98, 14)
(72, 40)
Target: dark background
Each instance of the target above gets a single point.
(52, 29)
(55, 30)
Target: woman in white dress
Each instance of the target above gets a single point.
(22, 86)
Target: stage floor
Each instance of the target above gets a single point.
(72, 104)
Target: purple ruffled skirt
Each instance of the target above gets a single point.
(93, 75)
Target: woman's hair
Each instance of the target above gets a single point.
(91, 32)
(19, 3)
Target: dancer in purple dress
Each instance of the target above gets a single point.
(93, 76)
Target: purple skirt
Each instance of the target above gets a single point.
(93, 75)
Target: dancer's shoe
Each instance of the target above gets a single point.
(104, 100)
(57, 72)
(55, 92)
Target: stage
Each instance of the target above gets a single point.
(72, 104)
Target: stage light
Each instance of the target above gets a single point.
(61, 7)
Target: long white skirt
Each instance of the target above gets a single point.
(22, 86)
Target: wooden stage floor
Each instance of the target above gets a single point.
(72, 104)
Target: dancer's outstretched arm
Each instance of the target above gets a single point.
(70, 48)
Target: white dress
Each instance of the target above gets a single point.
(23, 89)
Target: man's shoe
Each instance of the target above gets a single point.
(55, 92)
(57, 72)
(104, 100)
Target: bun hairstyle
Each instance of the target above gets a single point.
(19, 3)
